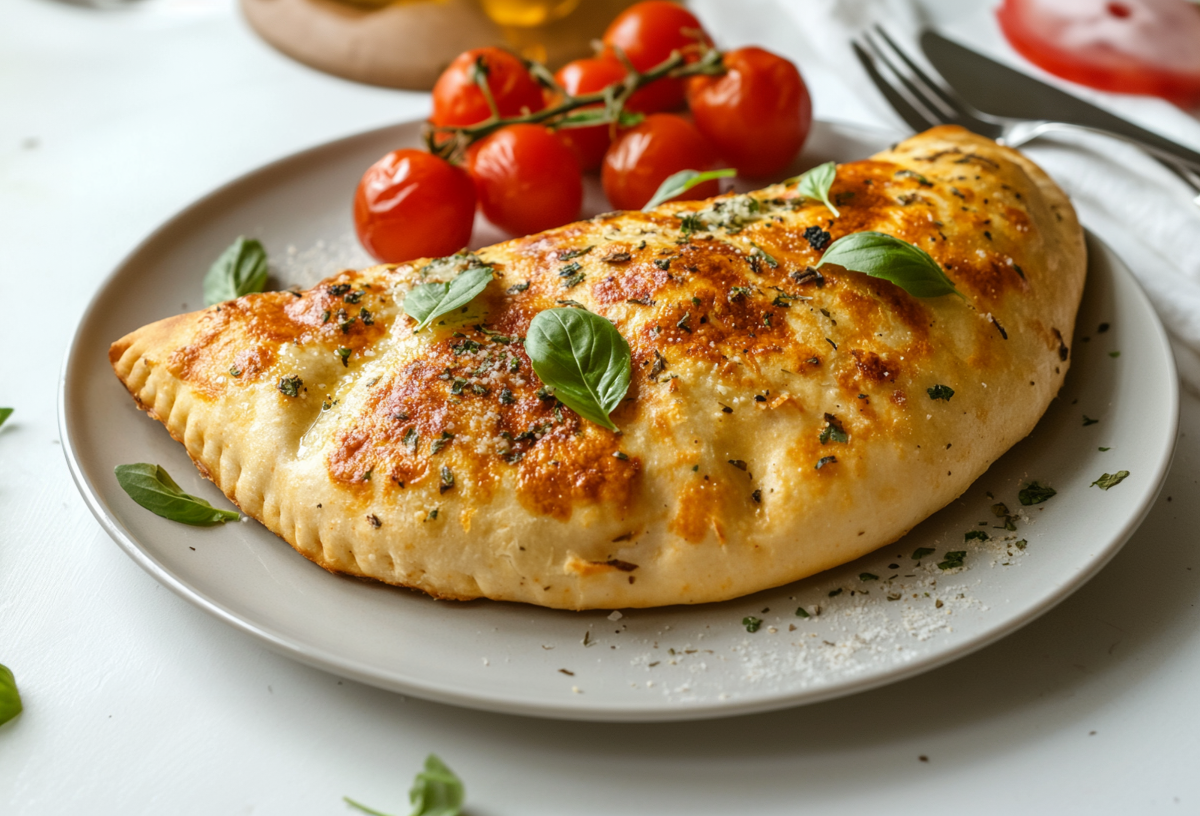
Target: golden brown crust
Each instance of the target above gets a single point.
(432, 460)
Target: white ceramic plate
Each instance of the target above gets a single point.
(661, 664)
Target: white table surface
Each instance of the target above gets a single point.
(138, 703)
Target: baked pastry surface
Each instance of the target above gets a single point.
(436, 461)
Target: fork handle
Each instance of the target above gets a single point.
(1021, 132)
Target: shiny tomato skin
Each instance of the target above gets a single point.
(411, 204)
(644, 156)
(458, 100)
(648, 32)
(757, 114)
(1132, 46)
(526, 179)
(585, 76)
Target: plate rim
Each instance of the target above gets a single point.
(659, 711)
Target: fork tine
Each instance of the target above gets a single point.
(943, 94)
(916, 93)
(917, 120)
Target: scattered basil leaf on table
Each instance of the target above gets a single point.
(1110, 479)
(10, 698)
(583, 358)
(815, 184)
(5, 413)
(436, 791)
(153, 488)
(884, 256)
(428, 301)
(681, 182)
(241, 270)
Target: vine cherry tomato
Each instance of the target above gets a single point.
(757, 114)
(585, 76)
(458, 99)
(1134, 46)
(648, 32)
(644, 156)
(411, 204)
(526, 178)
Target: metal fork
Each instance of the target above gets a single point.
(923, 101)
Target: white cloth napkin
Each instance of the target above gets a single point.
(1134, 204)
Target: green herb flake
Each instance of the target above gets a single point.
(154, 489)
(679, 183)
(439, 444)
(575, 253)
(1089, 421)
(290, 386)
(517, 287)
(801, 612)
(240, 270)
(953, 560)
(1020, 545)
(436, 791)
(344, 353)
(685, 322)
(940, 392)
(1102, 450)
(1035, 493)
(759, 252)
(825, 460)
(1109, 480)
(411, 438)
(752, 623)
(234, 371)
(1114, 354)
(879, 255)
(976, 535)
(447, 482)
(835, 593)
(10, 697)
(833, 431)
(569, 270)
(867, 576)
(922, 552)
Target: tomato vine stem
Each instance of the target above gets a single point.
(451, 142)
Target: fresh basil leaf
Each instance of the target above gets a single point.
(241, 270)
(153, 488)
(681, 182)
(815, 184)
(583, 358)
(10, 698)
(428, 301)
(1110, 479)
(5, 413)
(883, 256)
(436, 791)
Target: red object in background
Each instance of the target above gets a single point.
(411, 204)
(584, 76)
(757, 114)
(458, 99)
(643, 157)
(526, 178)
(648, 33)
(1130, 46)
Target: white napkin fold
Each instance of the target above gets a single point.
(1130, 201)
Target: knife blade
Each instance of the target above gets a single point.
(995, 88)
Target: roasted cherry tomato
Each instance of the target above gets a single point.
(411, 204)
(648, 33)
(757, 114)
(526, 178)
(643, 157)
(1133, 46)
(458, 99)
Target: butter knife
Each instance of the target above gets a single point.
(997, 89)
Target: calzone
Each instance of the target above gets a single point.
(781, 419)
